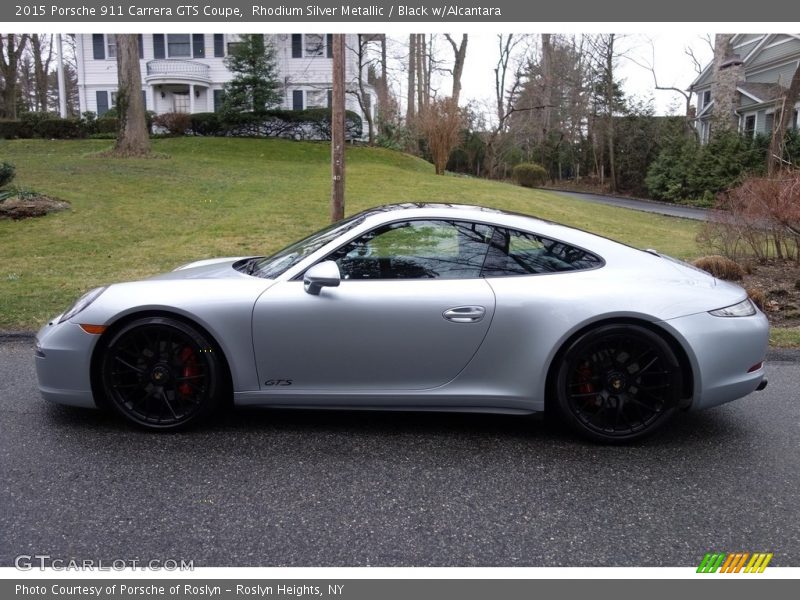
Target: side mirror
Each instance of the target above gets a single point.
(324, 274)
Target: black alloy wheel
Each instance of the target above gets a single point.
(161, 373)
(618, 383)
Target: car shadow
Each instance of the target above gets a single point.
(686, 430)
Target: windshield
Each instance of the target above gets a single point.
(277, 264)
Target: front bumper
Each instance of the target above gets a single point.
(726, 353)
(63, 363)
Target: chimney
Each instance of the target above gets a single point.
(728, 73)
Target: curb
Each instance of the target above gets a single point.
(16, 335)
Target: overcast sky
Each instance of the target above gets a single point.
(666, 50)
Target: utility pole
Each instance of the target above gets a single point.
(337, 130)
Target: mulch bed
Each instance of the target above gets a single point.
(17, 208)
(780, 282)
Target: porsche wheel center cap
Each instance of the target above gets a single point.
(616, 382)
(159, 374)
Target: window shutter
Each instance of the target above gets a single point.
(297, 100)
(144, 99)
(99, 46)
(140, 41)
(219, 45)
(158, 45)
(329, 39)
(198, 45)
(102, 102)
(330, 98)
(297, 45)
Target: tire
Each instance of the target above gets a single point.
(161, 373)
(618, 383)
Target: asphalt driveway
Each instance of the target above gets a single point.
(651, 206)
(281, 488)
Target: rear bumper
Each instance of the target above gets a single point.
(726, 354)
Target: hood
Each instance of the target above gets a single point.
(213, 268)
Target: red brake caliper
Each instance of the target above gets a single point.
(585, 377)
(190, 369)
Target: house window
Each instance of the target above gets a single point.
(179, 45)
(232, 46)
(750, 125)
(317, 99)
(314, 44)
(113, 98)
(297, 100)
(770, 123)
(111, 45)
(706, 98)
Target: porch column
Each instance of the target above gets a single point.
(191, 98)
(152, 101)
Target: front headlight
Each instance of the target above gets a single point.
(82, 303)
(745, 308)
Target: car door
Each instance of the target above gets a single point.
(409, 313)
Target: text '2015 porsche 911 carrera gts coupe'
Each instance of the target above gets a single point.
(416, 307)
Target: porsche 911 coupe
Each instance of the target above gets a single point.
(423, 307)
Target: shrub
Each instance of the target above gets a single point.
(720, 267)
(760, 217)
(7, 173)
(106, 125)
(60, 129)
(757, 295)
(175, 123)
(205, 124)
(529, 174)
(10, 129)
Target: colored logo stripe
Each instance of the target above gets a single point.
(733, 563)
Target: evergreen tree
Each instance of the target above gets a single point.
(255, 86)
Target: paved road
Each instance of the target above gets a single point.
(313, 489)
(662, 208)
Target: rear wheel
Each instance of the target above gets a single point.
(618, 383)
(161, 373)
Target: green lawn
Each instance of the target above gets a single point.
(220, 197)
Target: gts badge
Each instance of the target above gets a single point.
(278, 382)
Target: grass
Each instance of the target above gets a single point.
(220, 197)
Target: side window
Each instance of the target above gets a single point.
(429, 249)
(520, 253)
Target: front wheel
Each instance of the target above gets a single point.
(618, 383)
(161, 373)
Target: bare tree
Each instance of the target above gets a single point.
(361, 93)
(687, 95)
(512, 49)
(412, 72)
(459, 55)
(441, 122)
(605, 54)
(42, 51)
(781, 123)
(132, 136)
(11, 49)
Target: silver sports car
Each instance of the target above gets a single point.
(416, 307)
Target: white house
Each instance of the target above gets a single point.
(185, 72)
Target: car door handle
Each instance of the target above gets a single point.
(464, 314)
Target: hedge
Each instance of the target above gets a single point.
(311, 124)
